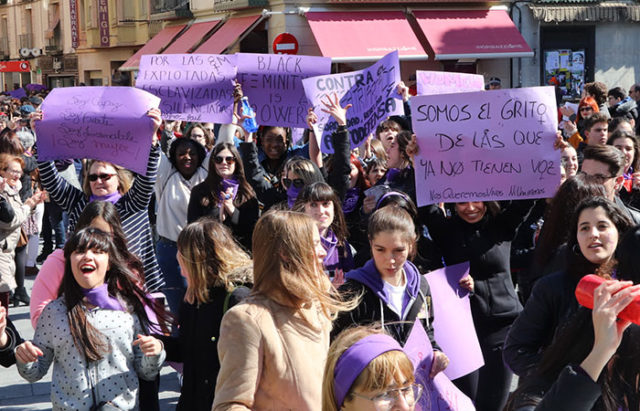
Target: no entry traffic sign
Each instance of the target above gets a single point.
(285, 43)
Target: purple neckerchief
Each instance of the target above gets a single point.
(330, 243)
(629, 174)
(292, 194)
(226, 184)
(112, 198)
(355, 359)
(391, 175)
(100, 297)
(351, 198)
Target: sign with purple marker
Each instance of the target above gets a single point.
(443, 82)
(273, 83)
(103, 123)
(192, 87)
(486, 145)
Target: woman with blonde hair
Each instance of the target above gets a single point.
(273, 346)
(368, 370)
(214, 266)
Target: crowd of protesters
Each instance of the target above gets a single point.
(273, 276)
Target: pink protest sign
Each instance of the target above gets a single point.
(371, 92)
(273, 83)
(453, 323)
(486, 145)
(102, 123)
(193, 87)
(439, 393)
(443, 82)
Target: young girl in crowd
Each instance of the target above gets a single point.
(226, 195)
(94, 334)
(392, 290)
(213, 264)
(375, 170)
(273, 345)
(320, 202)
(368, 370)
(596, 226)
(627, 143)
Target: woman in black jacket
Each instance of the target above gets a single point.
(215, 268)
(226, 195)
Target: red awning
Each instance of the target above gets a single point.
(153, 46)
(458, 34)
(364, 35)
(227, 34)
(191, 37)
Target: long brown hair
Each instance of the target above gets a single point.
(214, 181)
(125, 179)
(319, 192)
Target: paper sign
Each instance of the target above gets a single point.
(273, 83)
(18, 93)
(486, 145)
(193, 87)
(442, 82)
(439, 393)
(453, 324)
(103, 123)
(371, 92)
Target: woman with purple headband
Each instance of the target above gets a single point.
(368, 370)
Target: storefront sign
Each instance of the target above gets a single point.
(103, 22)
(73, 21)
(370, 92)
(237, 4)
(21, 66)
(486, 145)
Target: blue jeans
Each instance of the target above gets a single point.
(175, 283)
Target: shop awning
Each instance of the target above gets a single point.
(459, 34)
(364, 35)
(190, 38)
(228, 34)
(153, 46)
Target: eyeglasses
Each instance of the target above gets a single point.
(103, 177)
(228, 159)
(14, 172)
(386, 400)
(586, 109)
(600, 178)
(297, 182)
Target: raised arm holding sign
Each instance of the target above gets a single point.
(442, 82)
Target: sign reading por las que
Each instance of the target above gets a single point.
(371, 92)
(486, 145)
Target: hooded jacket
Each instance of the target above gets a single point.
(374, 304)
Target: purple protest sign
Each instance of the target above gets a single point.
(486, 145)
(273, 83)
(443, 82)
(439, 393)
(453, 323)
(193, 87)
(371, 92)
(18, 93)
(103, 123)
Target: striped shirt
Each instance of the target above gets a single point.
(132, 207)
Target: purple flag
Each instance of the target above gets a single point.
(486, 145)
(273, 83)
(371, 92)
(103, 123)
(453, 324)
(18, 93)
(193, 87)
(442, 82)
(439, 393)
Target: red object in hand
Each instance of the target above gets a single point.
(584, 295)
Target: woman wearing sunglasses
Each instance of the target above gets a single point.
(226, 195)
(109, 182)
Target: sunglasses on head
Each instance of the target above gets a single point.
(228, 159)
(297, 182)
(103, 177)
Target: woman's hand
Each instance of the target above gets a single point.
(636, 179)
(368, 204)
(567, 111)
(560, 143)
(312, 118)
(4, 338)
(156, 115)
(467, 283)
(229, 208)
(569, 128)
(332, 107)
(412, 148)
(237, 92)
(149, 345)
(27, 352)
(36, 199)
(33, 117)
(338, 278)
(440, 362)
(403, 91)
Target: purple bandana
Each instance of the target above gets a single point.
(292, 194)
(100, 297)
(226, 184)
(330, 244)
(112, 198)
(351, 200)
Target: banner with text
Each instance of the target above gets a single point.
(102, 123)
(273, 83)
(192, 87)
(442, 82)
(486, 145)
(371, 92)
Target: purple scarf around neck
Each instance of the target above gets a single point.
(351, 200)
(100, 297)
(292, 194)
(112, 198)
(226, 184)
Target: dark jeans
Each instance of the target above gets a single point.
(494, 380)
(175, 283)
(54, 219)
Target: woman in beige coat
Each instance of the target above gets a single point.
(273, 346)
(13, 214)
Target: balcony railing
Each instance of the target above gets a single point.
(161, 6)
(25, 40)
